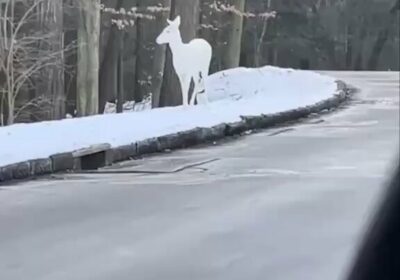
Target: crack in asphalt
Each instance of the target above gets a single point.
(180, 169)
(281, 131)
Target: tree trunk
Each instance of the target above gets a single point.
(349, 46)
(88, 58)
(6, 116)
(377, 49)
(129, 54)
(382, 38)
(159, 57)
(208, 26)
(231, 55)
(209, 31)
(10, 106)
(108, 70)
(189, 12)
(57, 81)
(70, 25)
(158, 75)
(120, 92)
(260, 41)
(259, 44)
(144, 53)
(2, 109)
(358, 63)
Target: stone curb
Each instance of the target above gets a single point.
(65, 162)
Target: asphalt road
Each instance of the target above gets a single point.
(284, 204)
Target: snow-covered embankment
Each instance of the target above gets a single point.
(233, 93)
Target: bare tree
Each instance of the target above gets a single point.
(54, 86)
(21, 60)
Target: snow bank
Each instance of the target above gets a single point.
(232, 93)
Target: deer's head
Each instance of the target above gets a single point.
(171, 32)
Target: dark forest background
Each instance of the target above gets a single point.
(71, 57)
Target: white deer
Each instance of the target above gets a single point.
(190, 61)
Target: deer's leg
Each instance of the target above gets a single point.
(185, 85)
(199, 87)
(202, 85)
(196, 81)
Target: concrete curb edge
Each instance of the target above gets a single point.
(66, 162)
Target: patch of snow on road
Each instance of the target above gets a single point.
(232, 93)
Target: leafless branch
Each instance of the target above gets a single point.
(24, 58)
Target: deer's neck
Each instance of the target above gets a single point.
(176, 44)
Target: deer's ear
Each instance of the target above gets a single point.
(169, 21)
(177, 20)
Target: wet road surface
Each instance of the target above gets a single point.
(282, 204)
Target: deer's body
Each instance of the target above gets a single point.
(190, 61)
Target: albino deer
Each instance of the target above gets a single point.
(190, 61)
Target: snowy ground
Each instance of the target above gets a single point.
(233, 93)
